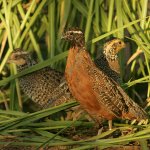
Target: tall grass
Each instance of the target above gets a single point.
(37, 26)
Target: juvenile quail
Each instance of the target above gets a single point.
(100, 95)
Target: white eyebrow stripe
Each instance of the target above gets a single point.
(79, 32)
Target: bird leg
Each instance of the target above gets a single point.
(144, 122)
(110, 124)
(100, 131)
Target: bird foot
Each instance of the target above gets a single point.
(144, 122)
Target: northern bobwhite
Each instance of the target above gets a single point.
(100, 95)
(40, 85)
(109, 57)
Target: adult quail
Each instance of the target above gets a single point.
(40, 85)
(100, 95)
(109, 57)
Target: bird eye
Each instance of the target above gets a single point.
(120, 42)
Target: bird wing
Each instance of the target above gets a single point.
(51, 75)
(113, 96)
(104, 87)
(60, 95)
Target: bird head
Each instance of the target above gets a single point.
(19, 57)
(112, 48)
(75, 36)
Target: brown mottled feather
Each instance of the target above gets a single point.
(110, 59)
(42, 86)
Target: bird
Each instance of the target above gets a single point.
(42, 85)
(100, 95)
(109, 57)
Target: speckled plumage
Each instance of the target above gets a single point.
(42, 85)
(110, 59)
(99, 94)
(47, 87)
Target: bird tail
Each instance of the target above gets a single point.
(134, 110)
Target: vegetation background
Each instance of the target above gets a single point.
(37, 26)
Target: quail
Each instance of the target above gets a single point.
(100, 95)
(109, 57)
(40, 85)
